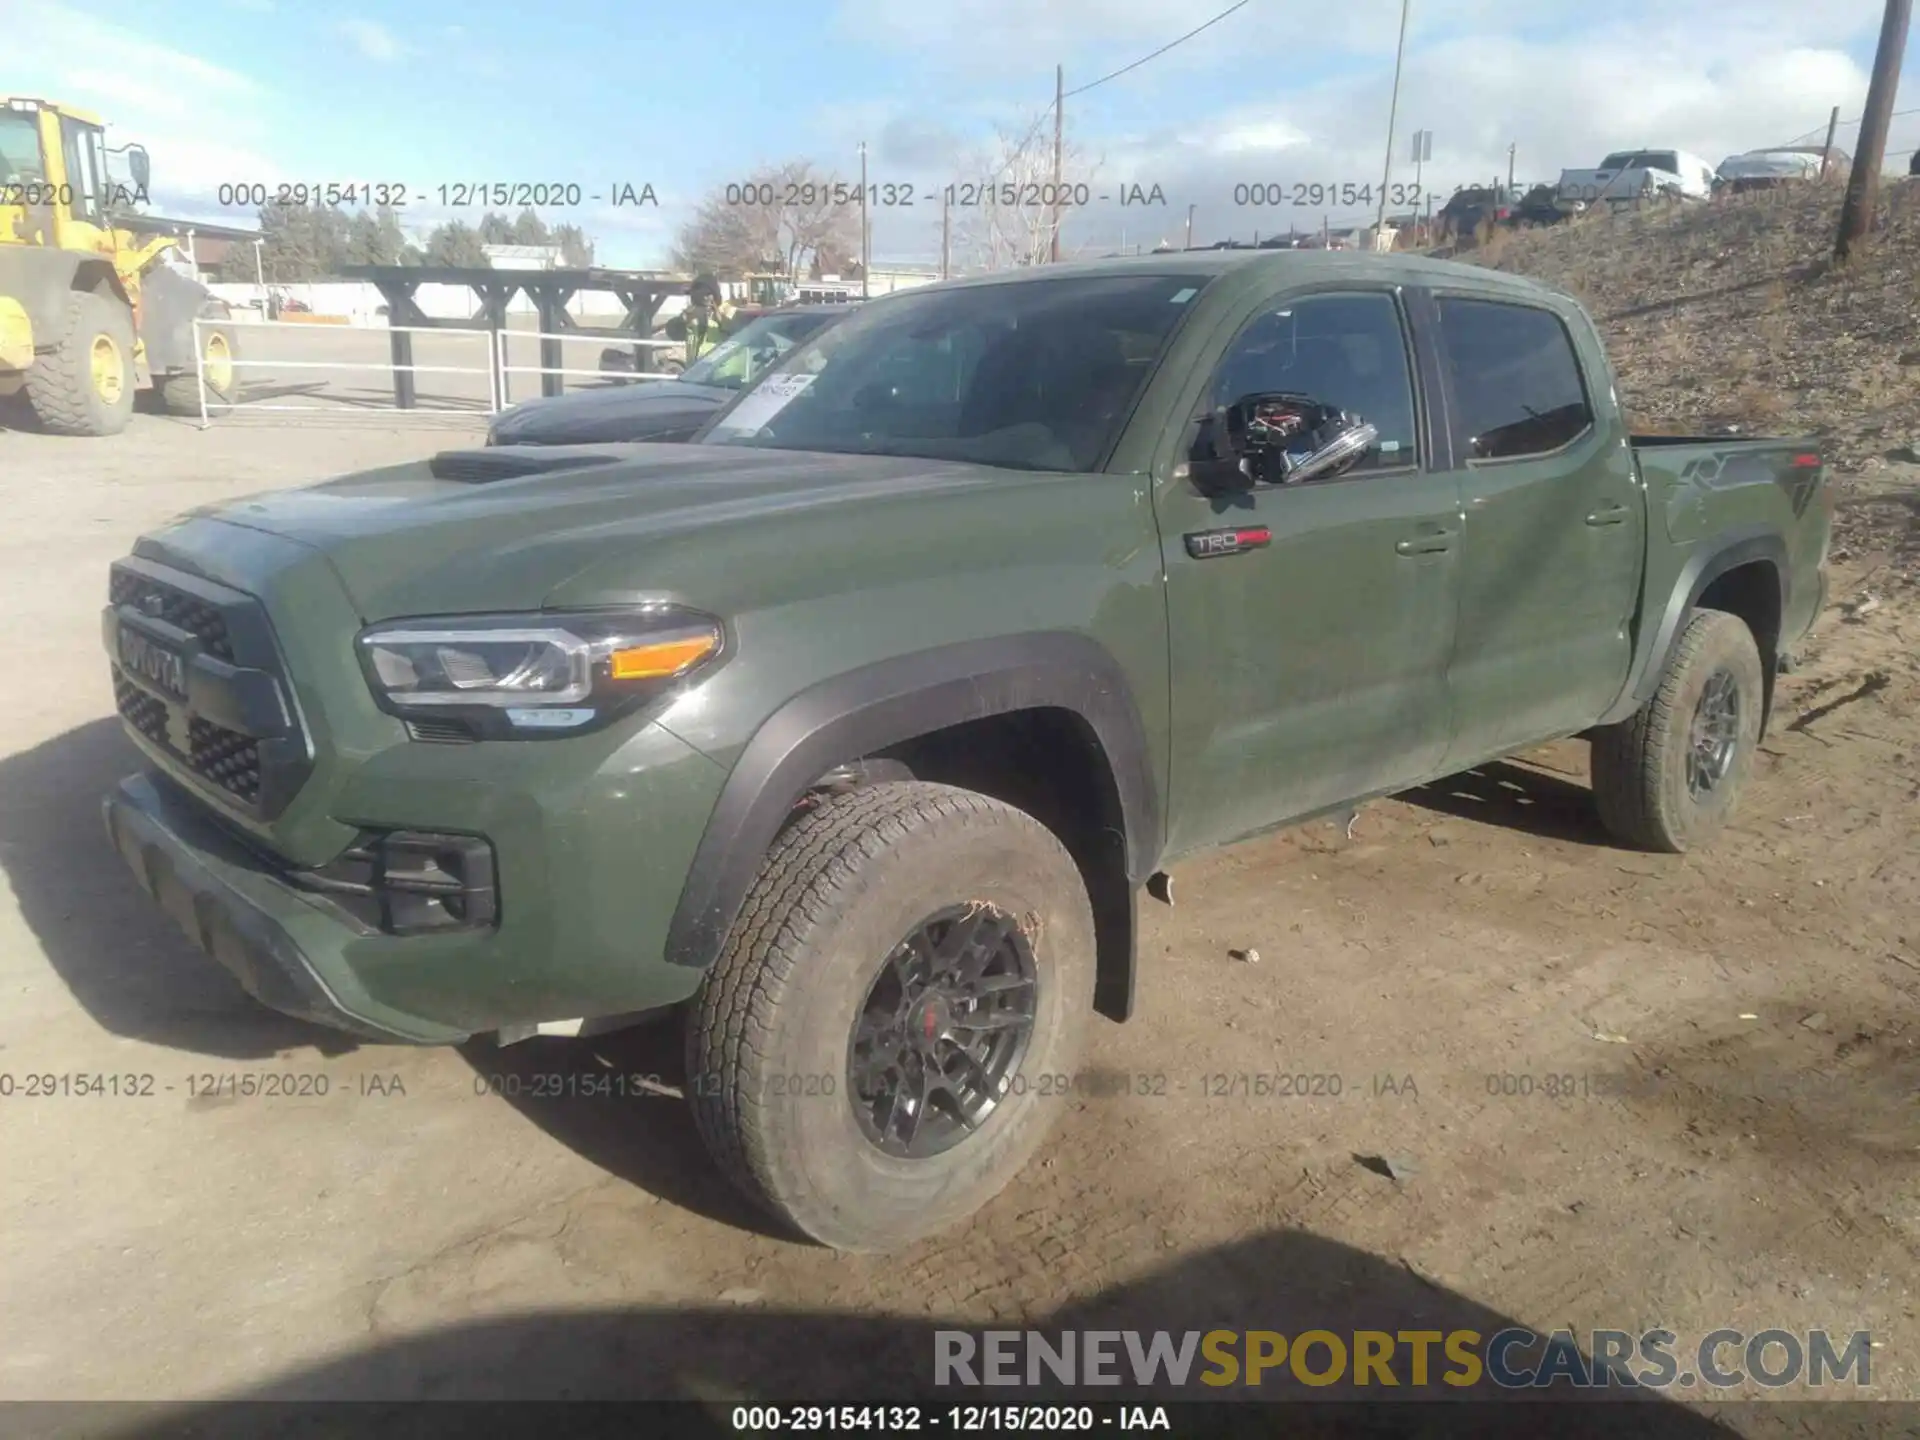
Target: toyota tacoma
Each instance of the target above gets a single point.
(853, 728)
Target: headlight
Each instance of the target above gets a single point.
(509, 676)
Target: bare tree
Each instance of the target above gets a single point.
(1007, 206)
(788, 217)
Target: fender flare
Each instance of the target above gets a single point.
(1738, 547)
(886, 703)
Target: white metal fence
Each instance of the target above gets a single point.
(607, 342)
(482, 339)
(494, 364)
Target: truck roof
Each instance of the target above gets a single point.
(1271, 266)
(24, 102)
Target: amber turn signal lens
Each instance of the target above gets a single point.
(660, 659)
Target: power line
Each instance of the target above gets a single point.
(1158, 53)
(1044, 115)
(1822, 129)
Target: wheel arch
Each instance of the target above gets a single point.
(922, 710)
(1747, 573)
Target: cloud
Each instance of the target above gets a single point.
(1564, 86)
(373, 40)
(61, 51)
(147, 91)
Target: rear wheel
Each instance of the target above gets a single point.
(1668, 776)
(219, 350)
(877, 1051)
(84, 385)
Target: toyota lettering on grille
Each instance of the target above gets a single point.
(155, 663)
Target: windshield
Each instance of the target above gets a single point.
(749, 352)
(1031, 374)
(19, 147)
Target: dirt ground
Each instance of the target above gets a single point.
(410, 1234)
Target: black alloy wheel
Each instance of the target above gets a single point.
(1714, 736)
(942, 1031)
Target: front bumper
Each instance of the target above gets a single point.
(255, 926)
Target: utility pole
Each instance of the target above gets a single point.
(864, 234)
(1863, 185)
(946, 233)
(1393, 116)
(1826, 153)
(1189, 227)
(1510, 165)
(1059, 100)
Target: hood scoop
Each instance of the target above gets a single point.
(479, 467)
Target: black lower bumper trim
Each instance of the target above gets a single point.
(163, 845)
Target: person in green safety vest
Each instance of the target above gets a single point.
(705, 321)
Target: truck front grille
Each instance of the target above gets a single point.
(226, 757)
(236, 731)
(145, 713)
(198, 618)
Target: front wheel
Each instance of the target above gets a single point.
(84, 385)
(1668, 776)
(887, 1035)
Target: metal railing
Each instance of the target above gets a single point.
(497, 366)
(607, 342)
(388, 366)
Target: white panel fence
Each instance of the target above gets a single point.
(492, 366)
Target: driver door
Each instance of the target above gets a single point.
(1310, 668)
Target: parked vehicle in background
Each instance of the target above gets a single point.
(666, 410)
(1541, 206)
(1627, 176)
(1470, 208)
(1764, 169)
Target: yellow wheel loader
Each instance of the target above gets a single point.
(87, 314)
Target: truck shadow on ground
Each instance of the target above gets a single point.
(1285, 1281)
(1516, 797)
(595, 1097)
(122, 959)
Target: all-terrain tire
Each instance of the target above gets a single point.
(1641, 765)
(62, 385)
(220, 348)
(769, 1036)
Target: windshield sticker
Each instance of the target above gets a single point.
(767, 400)
(1180, 297)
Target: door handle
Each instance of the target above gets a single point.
(1609, 515)
(1434, 541)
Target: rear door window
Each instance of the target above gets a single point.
(1515, 378)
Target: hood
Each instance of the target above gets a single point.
(405, 541)
(614, 414)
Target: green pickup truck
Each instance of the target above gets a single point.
(853, 729)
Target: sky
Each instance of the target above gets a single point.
(687, 98)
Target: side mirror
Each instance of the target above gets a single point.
(1279, 438)
(139, 166)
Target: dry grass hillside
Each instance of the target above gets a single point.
(1733, 314)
